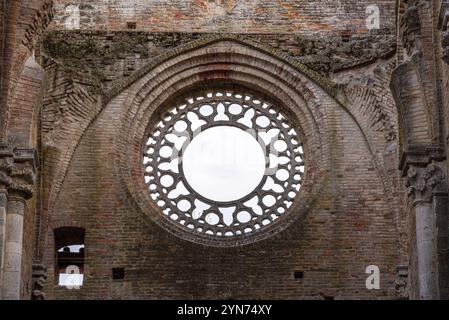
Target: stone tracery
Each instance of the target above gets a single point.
(179, 202)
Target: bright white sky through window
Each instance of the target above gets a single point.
(74, 248)
(224, 163)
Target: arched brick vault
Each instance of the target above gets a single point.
(223, 58)
(25, 21)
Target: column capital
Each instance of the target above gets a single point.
(6, 164)
(423, 182)
(23, 173)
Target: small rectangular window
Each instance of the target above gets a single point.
(69, 244)
(299, 275)
(118, 273)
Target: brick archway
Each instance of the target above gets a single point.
(26, 22)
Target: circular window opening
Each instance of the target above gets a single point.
(223, 165)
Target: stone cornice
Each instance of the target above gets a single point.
(420, 156)
(22, 155)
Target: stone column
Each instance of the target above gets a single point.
(3, 204)
(422, 183)
(6, 164)
(19, 191)
(13, 248)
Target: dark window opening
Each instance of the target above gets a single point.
(69, 245)
(299, 275)
(118, 273)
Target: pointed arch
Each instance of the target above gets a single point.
(213, 61)
(231, 64)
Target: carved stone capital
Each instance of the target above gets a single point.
(18, 168)
(423, 182)
(6, 164)
(39, 280)
(23, 173)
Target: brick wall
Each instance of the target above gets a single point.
(239, 16)
(347, 229)
(349, 226)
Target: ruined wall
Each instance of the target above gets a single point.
(351, 225)
(333, 246)
(366, 199)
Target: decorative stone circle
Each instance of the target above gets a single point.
(196, 214)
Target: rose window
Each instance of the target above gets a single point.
(223, 165)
